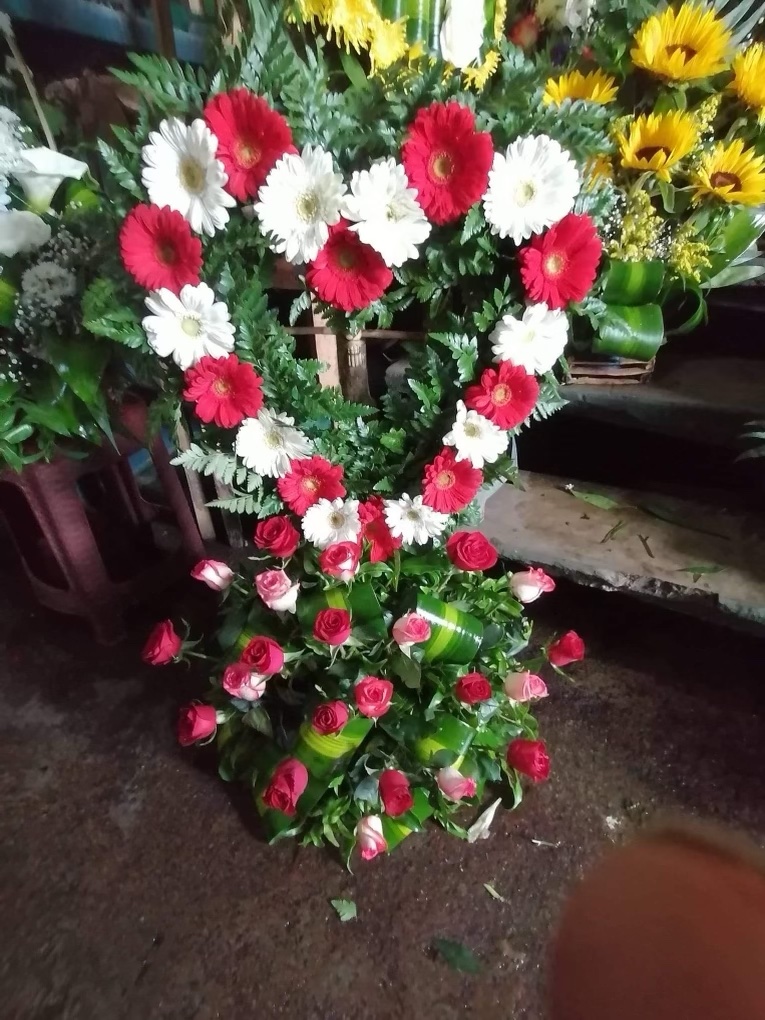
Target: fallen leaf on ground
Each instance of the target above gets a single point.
(457, 956)
(493, 892)
(346, 909)
(699, 570)
(613, 532)
(544, 842)
(597, 499)
(646, 546)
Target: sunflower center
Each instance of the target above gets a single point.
(688, 52)
(554, 264)
(720, 179)
(247, 154)
(191, 325)
(165, 254)
(441, 166)
(192, 175)
(310, 485)
(346, 258)
(501, 395)
(273, 439)
(336, 520)
(221, 388)
(445, 479)
(524, 193)
(472, 431)
(649, 151)
(307, 206)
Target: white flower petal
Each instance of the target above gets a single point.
(42, 174)
(330, 521)
(534, 342)
(462, 32)
(475, 438)
(413, 522)
(480, 827)
(267, 444)
(22, 232)
(189, 325)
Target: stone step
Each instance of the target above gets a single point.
(708, 400)
(539, 522)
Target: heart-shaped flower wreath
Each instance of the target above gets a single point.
(366, 658)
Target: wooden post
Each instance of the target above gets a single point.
(201, 512)
(354, 376)
(327, 351)
(163, 27)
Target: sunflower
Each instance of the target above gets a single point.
(656, 142)
(596, 87)
(732, 173)
(749, 78)
(682, 45)
(597, 171)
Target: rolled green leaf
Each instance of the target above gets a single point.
(740, 231)
(397, 829)
(455, 636)
(360, 601)
(324, 756)
(633, 283)
(630, 332)
(451, 734)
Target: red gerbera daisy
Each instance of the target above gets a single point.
(251, 139)
(505, 395)
(450, 484)
(375, 530)
(447, 160)
(348, 273)
(309, 480)
(560, 265)
(158, 248)
(226, 390)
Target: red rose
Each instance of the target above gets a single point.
(373, 696)
(568, 648)
(470, 550)
(530, 758)
(332, 626)
(329, 717)
(264, 655)
(162, 645)
(395, 793)
(277, 535)
(287, 784)
(340, 560)
(472, 688)
(195, 722)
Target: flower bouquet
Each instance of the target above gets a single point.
(371, 668)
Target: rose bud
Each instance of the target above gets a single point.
(568, 648)
(214, 574)
(530, 758)
(332, 626)
(278, 536)
(369, 836)
(454, 785)
(330, 717)
(470, 550)
(264, 655)
(241, 681)
(277, 591)
(373, 696)
(340, 560)
(195, 722)
(409, 630)
(162, 645)
(525, 686)
(528, 585)
(286, 786)
(395, 794)
(472, 688)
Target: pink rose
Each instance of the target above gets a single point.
(568, 648)
(277, 591)
(410, 629)
(241, 681)
(369, 836)
(525, 686)
(214, 574)
(162, 645)
(332, 626)
(454, 785)
(329, 717)
(195, 722)
(528, 585)
(395, 792)
(264, 655)
(372, 696)
(286, 787)
(340, 560)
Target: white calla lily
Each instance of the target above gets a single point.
(462, 32)
(43, 171)
(22, 231)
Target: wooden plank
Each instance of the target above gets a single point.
(163, 27)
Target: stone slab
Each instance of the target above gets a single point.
(541, 523)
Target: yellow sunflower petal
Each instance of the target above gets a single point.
(656, 142)
(749, 77)
(682, 45)
(732, 173)
(476, 77)
(388, 43)
(597, 87)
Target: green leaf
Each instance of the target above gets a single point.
(612, 532)
(493, 892)
(122, 174)
(354, 70)
(628, 331)
(405, 669)
(735, 274)
(698, 571)
(633, 283)
(259, 719)
(597, 499)
(346, 909)
(367, 791)
(457, 956)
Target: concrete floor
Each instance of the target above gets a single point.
(133, 885)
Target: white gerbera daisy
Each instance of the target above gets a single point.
(385, 212)
(413, 522)
(534, 342)
(268, 443)
(330, 521)
(531, 187)
(475, 438)
(299, 202)
(181, 171)
(188, 325)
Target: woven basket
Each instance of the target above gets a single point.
(608, 372)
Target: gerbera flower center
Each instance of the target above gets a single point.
(525, 192)
(307, 206)
(554, 264)
(273, 439)
(445, 479)
(413, 515)
(191, 325)
(310, 485)
(687, 51)
(720, 179)
(472, 431)
(345, 258)
(192, 175)
(649, 151)
(221, 388)
(336, 520)
(165, 253)
(441, 166)
(501, 395)
(247, 154)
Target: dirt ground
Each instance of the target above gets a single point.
(134, 887)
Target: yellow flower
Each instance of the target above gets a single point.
(749, 78)
(641, 230)
(682, 45)
(387, 43)
(351, 21)
(706, 112)
(732, 173)
(476, 77)
(596, 86)
(597, 170)
(688, 255)
(658, 141)
(500, 16)
(310, 9)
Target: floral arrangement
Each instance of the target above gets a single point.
(684, 164)
(372, 666)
